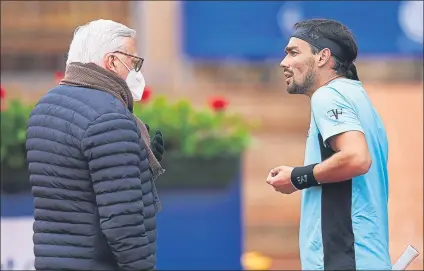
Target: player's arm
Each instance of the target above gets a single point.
(351, 158)
(341, 130)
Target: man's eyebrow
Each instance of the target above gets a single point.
(290, 48)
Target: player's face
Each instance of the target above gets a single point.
(299, 67)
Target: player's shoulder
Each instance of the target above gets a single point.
(325, 94)
(339, 89)
(344, 83)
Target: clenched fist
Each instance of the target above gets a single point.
(280, 179)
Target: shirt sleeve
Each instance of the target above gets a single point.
(333, 114)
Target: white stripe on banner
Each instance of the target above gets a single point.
(16, 243)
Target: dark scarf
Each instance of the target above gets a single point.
(93, 76)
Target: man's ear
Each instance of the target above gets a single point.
(109, 62)
(323, 57)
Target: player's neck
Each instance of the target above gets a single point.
(334, 77)
(325, 80)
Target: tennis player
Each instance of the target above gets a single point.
(344, 180)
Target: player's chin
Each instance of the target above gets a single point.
(289, 86)
(291, 89)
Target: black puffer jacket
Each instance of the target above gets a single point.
(94, 203)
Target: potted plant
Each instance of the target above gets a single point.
(201, 225)
(203, 146)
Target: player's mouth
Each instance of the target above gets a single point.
(288, 77)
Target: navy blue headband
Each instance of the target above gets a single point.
(321, 43)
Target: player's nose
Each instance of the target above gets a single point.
(284, 64)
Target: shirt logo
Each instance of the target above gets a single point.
(302, 179)
(335, 113)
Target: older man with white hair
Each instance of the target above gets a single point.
(92, 163)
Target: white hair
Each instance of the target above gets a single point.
(95, 39)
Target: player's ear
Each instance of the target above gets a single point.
(323, 57)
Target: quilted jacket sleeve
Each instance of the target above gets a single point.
(111, 146)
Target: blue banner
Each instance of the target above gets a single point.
(256, 30)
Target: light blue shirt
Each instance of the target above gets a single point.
(345, 225)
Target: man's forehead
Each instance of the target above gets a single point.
(296, 43)
(130, 46)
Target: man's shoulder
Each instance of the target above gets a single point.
(325, 95)
(342, 90)
(323, 92)
(346, 87)
(90, 102)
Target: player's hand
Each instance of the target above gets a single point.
(280, 179)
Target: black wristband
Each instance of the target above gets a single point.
(303, 177)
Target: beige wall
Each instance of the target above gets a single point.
(159, 33)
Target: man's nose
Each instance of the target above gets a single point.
(284, 64)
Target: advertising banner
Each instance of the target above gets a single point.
(257, 30)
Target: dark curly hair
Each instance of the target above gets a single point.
(338, 33)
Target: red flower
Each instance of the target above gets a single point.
(58, 76)
(2, 96)
(218, 104)
(146, 94)
(2, 93)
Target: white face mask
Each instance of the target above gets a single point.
(136, 83)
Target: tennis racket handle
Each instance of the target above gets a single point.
(406, 259)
